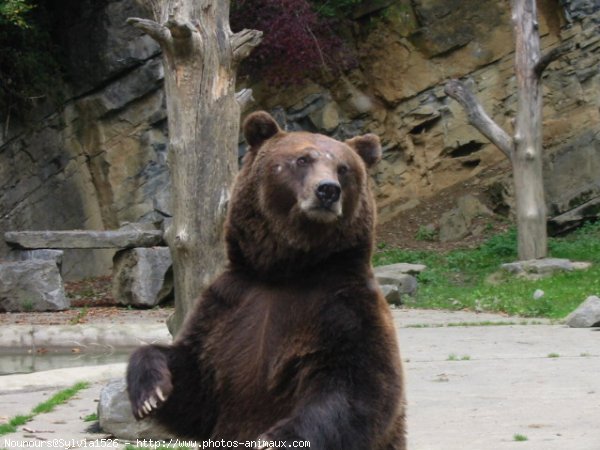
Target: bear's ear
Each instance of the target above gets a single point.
(368, 147)
(258, 127)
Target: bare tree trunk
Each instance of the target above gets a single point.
(200, 55)
(527, 156)
(525, 149)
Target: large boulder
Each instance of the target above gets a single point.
(586, 315)
(115, 417)
(142, 277)
(397, 280)
(456, 223)
(31, 285)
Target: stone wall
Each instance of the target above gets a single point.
(100, 159)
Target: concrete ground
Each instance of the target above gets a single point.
(470, 385)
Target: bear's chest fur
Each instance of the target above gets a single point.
(270, 338)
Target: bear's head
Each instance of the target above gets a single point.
(300, 197)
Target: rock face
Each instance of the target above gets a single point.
(31, 285)
(99, 159)
(586, 315)
(142, 277)
(115, 417)
(428, 145)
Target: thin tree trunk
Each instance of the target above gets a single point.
(527, 156)
(200, 55)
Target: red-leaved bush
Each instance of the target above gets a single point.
(297, 45)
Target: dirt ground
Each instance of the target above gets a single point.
(401, 232)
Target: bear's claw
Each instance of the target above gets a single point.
(147, 405)
(148, 381)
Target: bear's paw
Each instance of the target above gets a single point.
(148, 381)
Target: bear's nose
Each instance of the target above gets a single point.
(328, 192)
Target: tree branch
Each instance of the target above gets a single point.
(550, 56)
(244, 98)
(243, 42)
(180, 29)
(153, 29)
(478, 117)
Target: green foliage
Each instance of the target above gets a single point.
(29, 67)
(13, 423)
(520, 438)
(470, 279)
(14, 11)
(426, 234)
(91, 418)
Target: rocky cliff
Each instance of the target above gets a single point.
(406, 57)
(100, 159)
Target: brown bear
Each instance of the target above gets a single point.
(294, 341)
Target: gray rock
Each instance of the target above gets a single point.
(84, 238)
(391, 294)
(540, 268)
(396, 276)
(456, 223)
(33, 285)
(115, 416)
(572, 177)
(453, 226)
(575, 217)
(538, 293)
(142, 276)
(471, 207)
(586, 315)
(43, 254)
(408, 268)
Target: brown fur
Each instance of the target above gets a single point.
(294, 340)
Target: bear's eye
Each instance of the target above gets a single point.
(343, 170)
(302, 161)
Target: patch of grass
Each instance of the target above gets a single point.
(553, 355)
(47, 406)
(91, 418)
(80, 317)
(426, 234)
(520, 438)
(59, 398)
(13, 423)
(458, 279)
